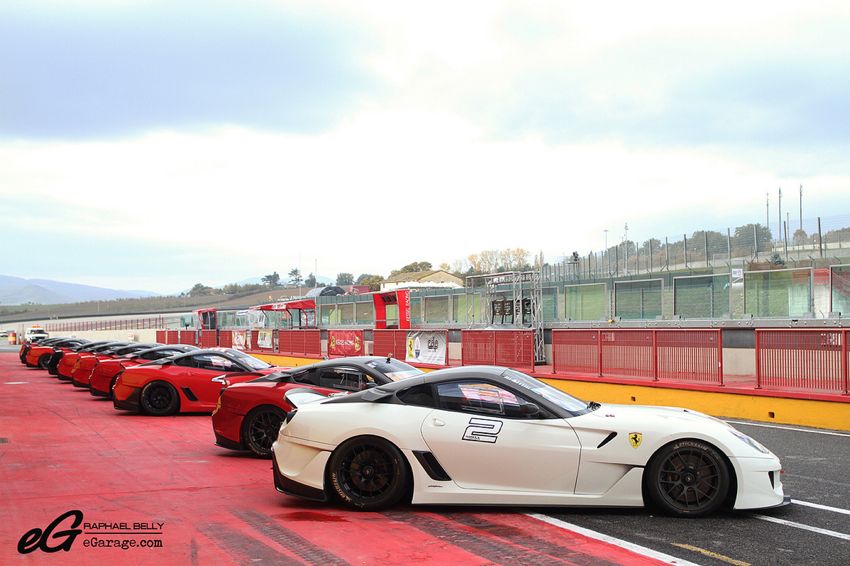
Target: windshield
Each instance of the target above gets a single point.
(249, 361)
(548, 392)
(394, 369)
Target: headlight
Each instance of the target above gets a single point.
(750, 442)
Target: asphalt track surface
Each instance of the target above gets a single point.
(61, 450)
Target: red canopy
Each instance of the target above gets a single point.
(301, 304)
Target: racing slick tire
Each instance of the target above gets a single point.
(159, 398)
(44, 361)
(687, 478)
(261, 428)
(368, 473)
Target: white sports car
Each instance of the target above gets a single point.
(495, 436)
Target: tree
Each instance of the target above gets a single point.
(413, 268)
(344, 279)
(295, 277)
(272, 280)
(310, 281)
(373, 281)
(201, 290)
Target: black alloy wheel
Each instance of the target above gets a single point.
(159, 398)
(261, 428)
(688, 478)
(368, 473)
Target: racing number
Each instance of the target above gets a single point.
(482, 430)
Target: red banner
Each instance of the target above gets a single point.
(345, 342)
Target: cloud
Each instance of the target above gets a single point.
(107, 69)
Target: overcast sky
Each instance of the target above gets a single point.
(157, 144)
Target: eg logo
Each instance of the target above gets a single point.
(36, 539)
(635, 438)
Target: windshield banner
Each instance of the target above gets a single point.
(427, 348)
(345, 342)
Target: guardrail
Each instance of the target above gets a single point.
(152, 322)
(802, 360)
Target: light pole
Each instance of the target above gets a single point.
(607, 257)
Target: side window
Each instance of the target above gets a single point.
(309, 377)
(216, 363)
(481, 398)
(345, 379)
(188, 361)
(421, 396)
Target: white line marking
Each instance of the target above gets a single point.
(791, 428)
(803, 527)
(819, 506)
(16, 382)
(636, 548)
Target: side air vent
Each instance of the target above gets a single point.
(431, 465)
(607, 439)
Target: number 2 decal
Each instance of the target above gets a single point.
(482, 430)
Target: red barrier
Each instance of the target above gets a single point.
(510, 348)
(209, 339)
(628, 353)
(189, 337)
(300, 342)
(225, 339)
(812, 360)
(389, 343)
(576, 351)
(172, 337)
(478, 347)
(693, 356)
(161, 336)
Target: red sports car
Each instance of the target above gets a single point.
(185, 383)
(105, 373)
(27, 345)
(248, 415)
(84, 366)
(68, 359)
(39, 355)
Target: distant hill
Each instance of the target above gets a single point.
(18, 291)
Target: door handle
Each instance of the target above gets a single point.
(438, 422)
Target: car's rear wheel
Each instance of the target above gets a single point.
(44, 361)
(687, 478)
(159, 398)
(368, 473)
(261, 428)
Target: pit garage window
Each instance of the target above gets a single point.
(481, 398)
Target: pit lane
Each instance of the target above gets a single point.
(62, 449)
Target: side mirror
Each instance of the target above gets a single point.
(529, 410)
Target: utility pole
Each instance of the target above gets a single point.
(801, 208)
(767, 205)
(780, 213)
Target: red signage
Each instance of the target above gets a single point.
(345, 342)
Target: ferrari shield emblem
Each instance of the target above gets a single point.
(635, 439)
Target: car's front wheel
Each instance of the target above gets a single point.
(159, 398)
(687, 478)
(261, 428)
(368, 473)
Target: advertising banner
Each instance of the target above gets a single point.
(345, 343)
(427, 347)
(241, 340)
(265, 339)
